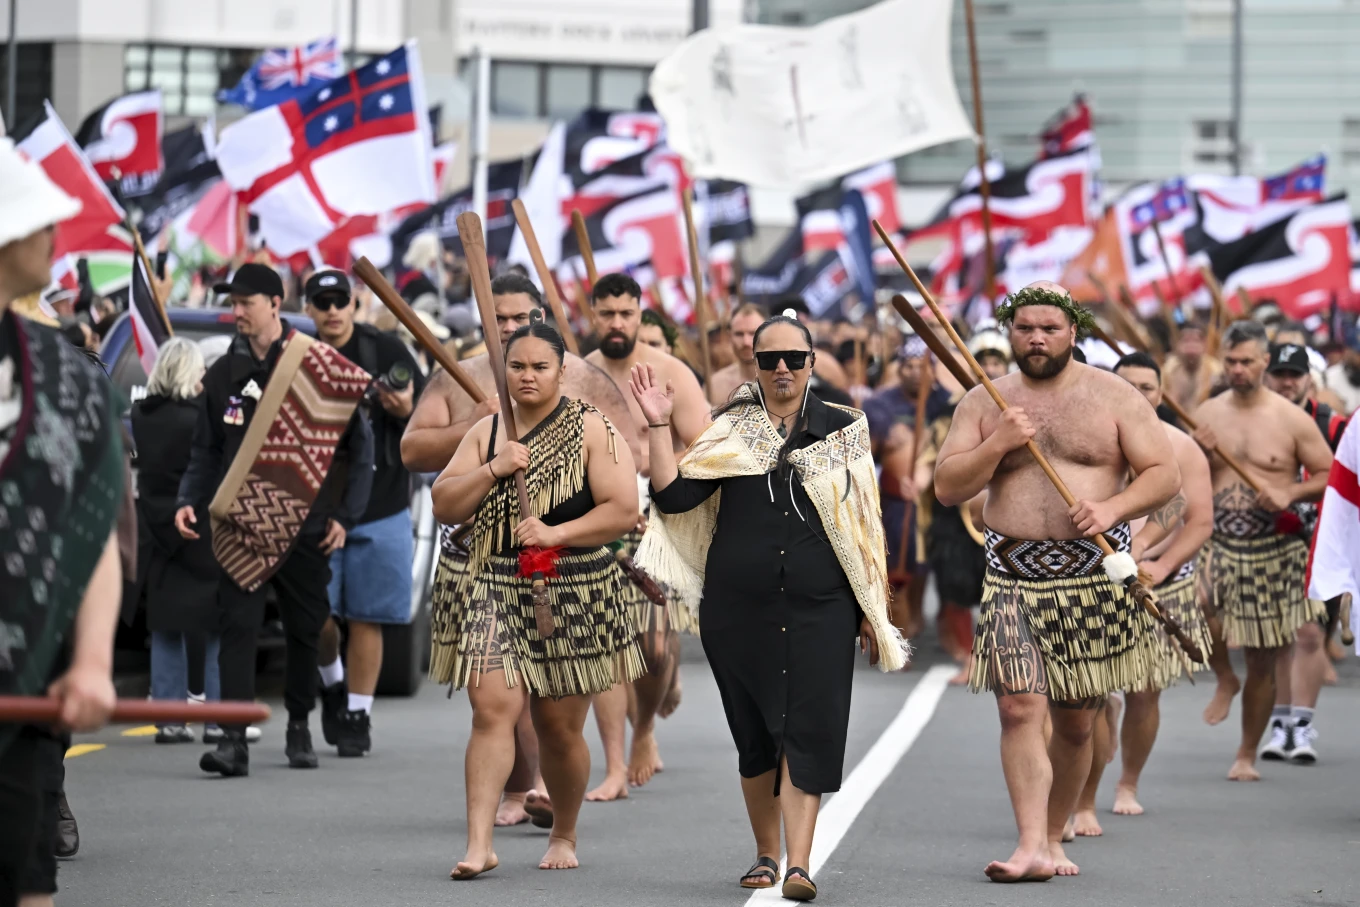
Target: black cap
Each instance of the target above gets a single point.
(327, 281)
(251, 279)
(1288, 357)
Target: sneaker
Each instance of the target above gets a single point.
(174, 733)
(230, 759)
(1305, 740)
(298, 746)
(253, 734)
(353, 737)
(212, 734)
(334, 703)
(1281, 741)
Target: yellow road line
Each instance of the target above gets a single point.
(81, 749)
(148, 730)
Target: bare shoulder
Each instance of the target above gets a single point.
(1183, 445)
(1110, 386)
(586, 381)
(977, 401)
(668, 365)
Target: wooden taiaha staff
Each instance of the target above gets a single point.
(1139, 592)
(700, 298)
(1214, 338)
(1228, 459)
(46, 710)
(545, 276)
(1127, 315)
(474, 248)
(373, 278)
(984, 185)
(578, 226)
(918, 429)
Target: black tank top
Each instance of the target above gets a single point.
(574, 507)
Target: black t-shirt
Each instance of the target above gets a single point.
(376, 353)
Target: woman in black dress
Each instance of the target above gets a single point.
(773, 513)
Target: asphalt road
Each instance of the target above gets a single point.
(387, 829)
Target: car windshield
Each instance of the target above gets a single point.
(127, 372)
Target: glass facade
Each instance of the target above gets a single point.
(521, 90)
(188, 77)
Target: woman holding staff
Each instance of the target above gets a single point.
(772, 516)
(580, 480)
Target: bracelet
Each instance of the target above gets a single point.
(658, 424)
(493, 472)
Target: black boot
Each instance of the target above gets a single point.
(68, 834)
(354, 737)
(231, 758)
(298, 746)
(334, 702)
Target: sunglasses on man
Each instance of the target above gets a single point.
(331, 301)
(768, 361)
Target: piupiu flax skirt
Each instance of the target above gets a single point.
(1258, 588)
(593, 647)
(648, 618)
(446, 611)
(1053, 623)
(1178, 597)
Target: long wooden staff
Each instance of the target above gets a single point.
(1215, 335)
(926, 333)
(1140, 593)
(1228, 459)
(700, 304)
(918, 429)
(1166, 261)
(45, 710)
(984, 185)
(545, 276)
(474, 248)
(1127, 314)
(578, 226)
(373, 278)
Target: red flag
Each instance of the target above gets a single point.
(125, 135)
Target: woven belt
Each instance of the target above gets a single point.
(1044, 559)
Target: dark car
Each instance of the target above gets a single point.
(406, 647)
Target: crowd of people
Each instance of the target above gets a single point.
(787, 491)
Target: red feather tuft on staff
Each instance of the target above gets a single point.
(542, 561)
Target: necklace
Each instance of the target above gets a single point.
(781, 428)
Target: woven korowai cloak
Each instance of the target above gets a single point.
(838, 475)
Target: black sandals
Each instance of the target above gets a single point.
(764, 873)
(799, 886)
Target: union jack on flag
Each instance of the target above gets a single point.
(1305, 181)
(1171, 199)
(283, 73)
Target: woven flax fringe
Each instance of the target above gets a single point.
(1258, 589)
(1091, 637)
(648, 617)
(593, 647)
(1180, 600)
(446, 615)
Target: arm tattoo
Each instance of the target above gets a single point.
(1170, 513)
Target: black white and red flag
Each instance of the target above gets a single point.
(596, 138)
(149, 332)
(1068, 130)
(1299, 262)
(1036, 200)
(124, 137)
(502, 187)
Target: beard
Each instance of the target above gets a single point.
(1046, 366)
(617, 345)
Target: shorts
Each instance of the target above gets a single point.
(371, 575)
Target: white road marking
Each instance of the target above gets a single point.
(840, 812)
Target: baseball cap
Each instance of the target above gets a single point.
(327, 281)
(250, 279)
(1288, 357)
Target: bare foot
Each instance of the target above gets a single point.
(1022, 867)
(613, 788)
(1243, 770)
(539, 808)
(1114, 706)
(470, 867)
(1217, 709)
(1329, 675)
(1069, 831)
(645, 761)
(561, 855)
(1061, 865)
(511, 811)
(673, 697)
(1086, 825)
(1126, 801)
(961, 678)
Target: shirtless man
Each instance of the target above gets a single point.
(616, 307)
(726, 380)
(444, 414)
(1167, 548)
(1190, 373)
(1096, 430)
(1259, 553)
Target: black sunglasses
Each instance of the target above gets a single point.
(330, 301)
(794, 359)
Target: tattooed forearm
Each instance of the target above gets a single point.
(1170, 513)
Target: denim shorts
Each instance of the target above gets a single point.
(371, 575)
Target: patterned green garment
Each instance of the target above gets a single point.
(61, 481)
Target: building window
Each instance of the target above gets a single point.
(1212, 141)
(33, 85)
(1350, 142)
(188, 77)
(560, 90)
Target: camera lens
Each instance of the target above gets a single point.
(398, 377)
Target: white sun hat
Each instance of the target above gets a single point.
(29, 200)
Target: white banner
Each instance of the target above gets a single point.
(784, 107)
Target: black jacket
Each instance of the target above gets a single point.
(344, 494)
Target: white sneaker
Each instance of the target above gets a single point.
(1305, 736)
(1281, 742)
(253, 734)
(213, 734)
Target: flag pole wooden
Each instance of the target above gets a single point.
(46, 710)
(984, 185)
(578, 226)
(700, 300)
(545, 276)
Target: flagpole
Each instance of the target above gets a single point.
(700, 309)
(353, 34)
(481, 118)
(545, 276)
(139, 254)
(12, 64)
(984, 185)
